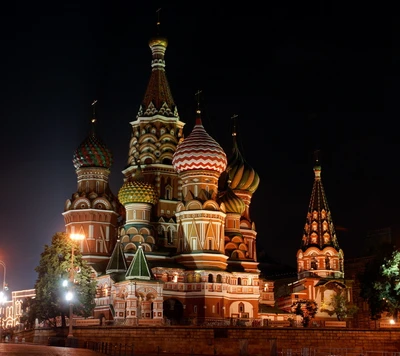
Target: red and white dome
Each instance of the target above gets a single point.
(199, 151)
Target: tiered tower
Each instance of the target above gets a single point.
(155, 135)
(320, 269)
(93, 209)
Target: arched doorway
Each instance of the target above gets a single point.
(173, 310)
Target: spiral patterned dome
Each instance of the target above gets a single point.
(241, 175)
(92, 152)
(199, 151)
(137, 191)
(233, 204)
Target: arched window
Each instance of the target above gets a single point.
(210, 278)
(168, 192)
(314, 263)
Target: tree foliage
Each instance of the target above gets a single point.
(340, 306)
(28, 313)
(54, 267)
(380, 282)
(388, 286)
(306, 308)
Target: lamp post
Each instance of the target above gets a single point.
(69, 296)
(4, 276)
(2, 301)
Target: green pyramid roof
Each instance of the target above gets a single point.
(117, 262)
(139, 267)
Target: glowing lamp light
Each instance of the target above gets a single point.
(69, 296)
(77, 237)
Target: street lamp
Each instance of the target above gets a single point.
(4, 276)
(2, 301)
(69, 296)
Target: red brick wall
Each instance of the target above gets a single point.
(237, 340)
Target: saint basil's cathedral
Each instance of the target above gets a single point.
(177, 241)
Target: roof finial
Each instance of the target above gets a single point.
(198, 111)
(94, 111)
(316, 157)
(158, 20)
(198, 99)
(233, 117)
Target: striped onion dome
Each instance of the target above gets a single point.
(137, 190)
(199, 151)
(92, 152)
(241, 175)
(233, 204)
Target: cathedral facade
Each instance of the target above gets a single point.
(177, 241)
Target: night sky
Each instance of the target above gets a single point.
(299, 79)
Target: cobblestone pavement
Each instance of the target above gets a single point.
(10, 349)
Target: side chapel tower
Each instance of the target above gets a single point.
(320, 268)
(93, 210)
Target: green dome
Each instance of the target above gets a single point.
(137, 192)
(233, 204)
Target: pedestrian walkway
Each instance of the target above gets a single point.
(11, 349)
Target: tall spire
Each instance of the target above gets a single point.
(319, 252)
(319, 230)
(158, 97)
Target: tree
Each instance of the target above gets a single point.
(340, 306)
(54, 267)
(388, 285)
(28, 313)
(306, 308)
(378, 282)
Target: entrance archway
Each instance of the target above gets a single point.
(173, 310)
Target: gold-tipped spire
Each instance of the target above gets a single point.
(234, 133)
(198, 111)
(94, 111)
(158, 20)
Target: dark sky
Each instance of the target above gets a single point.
(300, 78)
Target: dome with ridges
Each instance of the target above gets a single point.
(241, 175)
(137, 190)
(233, 204)
(92, 152)
(199, 151)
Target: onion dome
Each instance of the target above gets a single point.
(137, 190)
(241, 175)
(199, 151)
(233, 204)
(92, 152)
